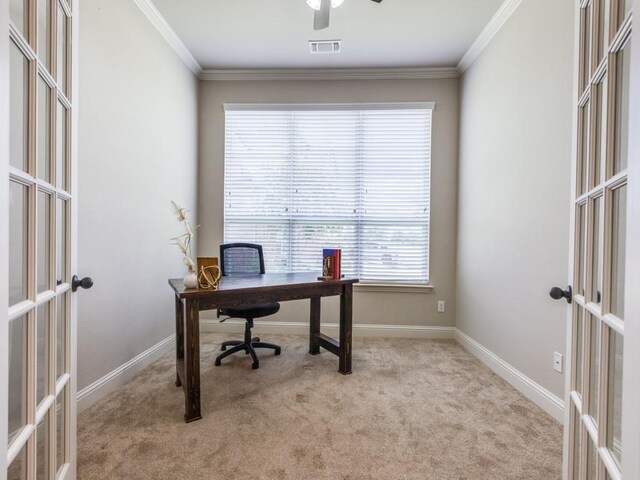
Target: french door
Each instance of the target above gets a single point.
(595, 416)
(38, 361)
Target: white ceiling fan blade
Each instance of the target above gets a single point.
(321, 17)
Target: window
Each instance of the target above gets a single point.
(300, 178)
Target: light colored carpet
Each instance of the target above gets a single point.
(412, 409)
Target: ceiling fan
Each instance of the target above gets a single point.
(323, 9)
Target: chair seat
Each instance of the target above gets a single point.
(252, 311)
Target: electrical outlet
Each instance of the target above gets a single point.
(557, 361)
(440, 306)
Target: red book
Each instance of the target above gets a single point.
(336, 264)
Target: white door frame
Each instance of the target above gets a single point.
(631, 372)
(73, 323)
(4, 227)
(69, 472)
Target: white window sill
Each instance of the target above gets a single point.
(382, 287)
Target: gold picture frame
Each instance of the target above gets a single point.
(208, 272)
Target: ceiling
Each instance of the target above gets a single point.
(275, 33)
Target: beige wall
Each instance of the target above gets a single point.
(369, 307)
(137, 151)
(513, 217)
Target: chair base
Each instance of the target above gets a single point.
(248, 345)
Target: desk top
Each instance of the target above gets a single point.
(268, 281)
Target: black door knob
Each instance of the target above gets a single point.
(557, 293)
(85, 283)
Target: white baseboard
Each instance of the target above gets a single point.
(112, 380)
(535, 392)
(302, 328)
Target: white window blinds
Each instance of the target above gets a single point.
(302, 178)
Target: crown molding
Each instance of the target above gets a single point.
(328, 73)
(158, 21)
(488, 32)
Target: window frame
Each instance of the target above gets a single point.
(405, 286)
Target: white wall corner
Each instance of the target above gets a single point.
(158, 21)
(121, 375)
(488, 32)
(535, 392)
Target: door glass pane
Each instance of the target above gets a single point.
(61, 242)
(61, 336)
(592, 459)
(61, 416)
(618, 249)
(579, 349)
(625, 10)
(596, 279)
(18, 224)
(594, 368)
(18, 85)
(17, 375)
(42, 453)
(616, 350)
(600, 133)
(583, 154)
(61, 76)
(44, 240)
(61, 147)
(44, 32)
(44, 130)
(603, 27)
(585, 51)
(577, 443)
(580, 247)
(623, 63)
(42, 352)
(18, 468)
(18, 10)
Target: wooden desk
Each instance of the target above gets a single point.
(248, 290)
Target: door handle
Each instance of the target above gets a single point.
(85, 283)
(557, 293)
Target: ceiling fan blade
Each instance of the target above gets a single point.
(321, 17)
(377, 1)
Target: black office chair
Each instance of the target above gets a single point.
(245, 259)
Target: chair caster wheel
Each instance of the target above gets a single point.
(223, 348)
(277, 352)
(255, 365)
(255, 339)
(217, 363)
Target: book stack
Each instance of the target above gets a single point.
(331, 264)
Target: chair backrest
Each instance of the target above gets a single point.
(241, 259)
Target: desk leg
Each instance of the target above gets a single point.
(346, 321)
(314, 326)
(179, 337)
(192, 362)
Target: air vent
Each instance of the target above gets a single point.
(325, 46)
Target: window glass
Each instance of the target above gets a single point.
(17, 376)
(18, 468)
(44, 32)
(621, 152)
(300, 181)
(614, 433)
(618, 250)
(44, 130)
(42, 352)
(44, 241)
(19, 91)
(18, 229)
